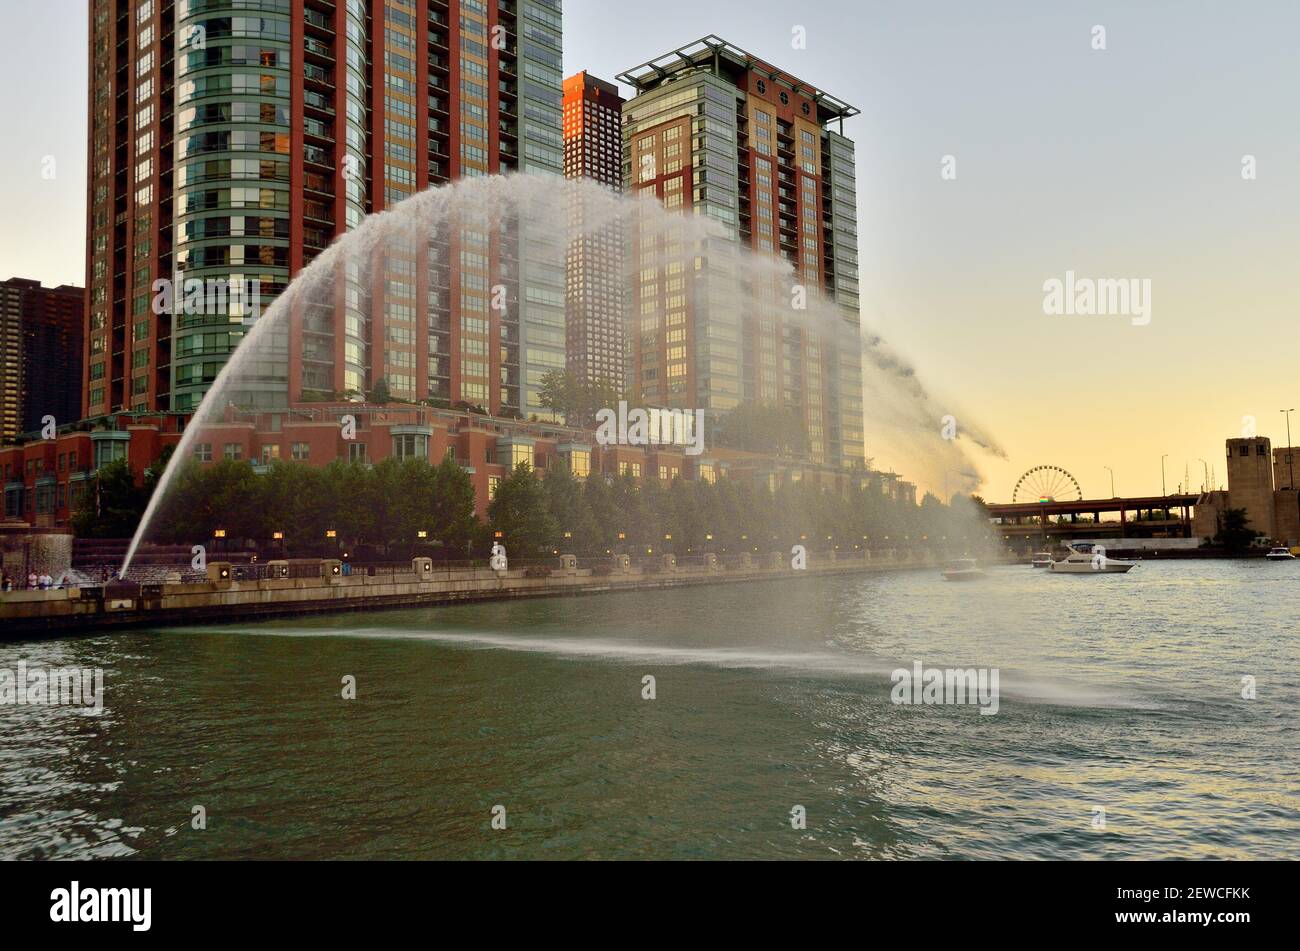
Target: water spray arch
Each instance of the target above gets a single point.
(555, 213)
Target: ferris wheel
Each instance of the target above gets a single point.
(1047, 484)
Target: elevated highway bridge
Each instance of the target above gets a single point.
(1156, 516)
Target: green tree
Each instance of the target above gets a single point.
(112, 506)
(452, 507)
(519, 512)
(565, 501)
(1235, 533)
(559, 392)
(757, 427)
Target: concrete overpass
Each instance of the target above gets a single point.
(1137, 517)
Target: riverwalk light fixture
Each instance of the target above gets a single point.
(422, 534)
(277, 536)
(568, 534)
(330, 533)
(498, 534)
(622, 535)
(219, 533)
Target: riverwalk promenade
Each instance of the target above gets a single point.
(285, 588)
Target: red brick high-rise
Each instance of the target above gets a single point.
(40, 355)
(232, 142)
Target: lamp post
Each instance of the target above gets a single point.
(1112, 481)
(1290, 466)
(1162, 474)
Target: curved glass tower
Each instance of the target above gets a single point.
(232, 184)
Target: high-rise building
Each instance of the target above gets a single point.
(232, 141)
(719, 133)
(40, 355)
(594, 293)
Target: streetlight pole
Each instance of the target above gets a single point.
(1289, 464)
(1162, 474)
(1112, 481)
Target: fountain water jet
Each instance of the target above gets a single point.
(548, 215)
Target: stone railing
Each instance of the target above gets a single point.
(230, 592)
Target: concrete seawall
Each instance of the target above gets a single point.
(33, 614)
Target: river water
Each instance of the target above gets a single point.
(1121, 729)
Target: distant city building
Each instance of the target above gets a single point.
(231, 142)
(1259, 481)
(717, 132)
(595, 280)
(40, 355)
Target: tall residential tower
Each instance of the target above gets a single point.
(594, 294)
(40, 355)
(717, 132)
(231, 141)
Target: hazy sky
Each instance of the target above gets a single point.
(1116, 163)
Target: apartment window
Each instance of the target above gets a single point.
(233, 450)
(203, 452)
(580, 463)
(411, 446)
(300, 451)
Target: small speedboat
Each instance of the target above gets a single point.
(1280, 554)
(1087, 559)
(962, 569)
(1042, 559)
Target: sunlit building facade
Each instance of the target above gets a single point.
(231, 141)
(595, 286)
(716, 132)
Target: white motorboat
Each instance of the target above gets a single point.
(962, 569)
(1280, 554)
(1041, 559)
(1088, 559)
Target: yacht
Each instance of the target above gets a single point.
(1042, 559)
(1280, 554)
(1083, 560)
(962, 569)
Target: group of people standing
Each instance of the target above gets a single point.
(35, 582)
